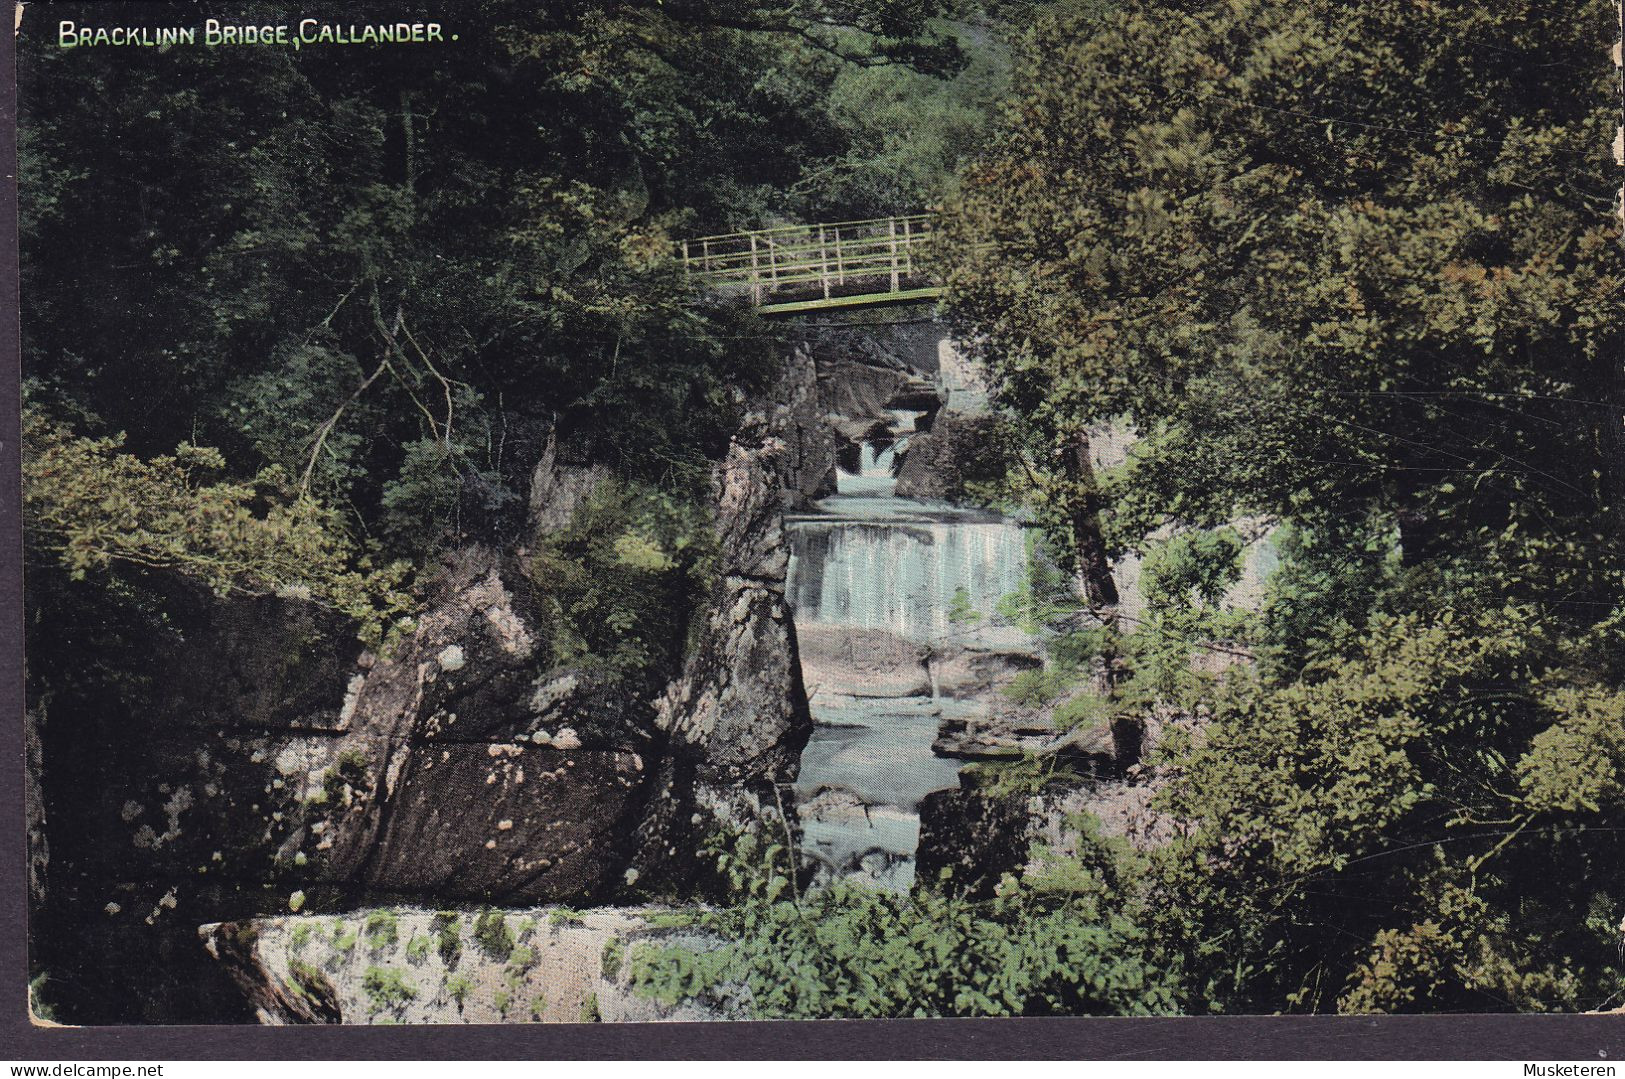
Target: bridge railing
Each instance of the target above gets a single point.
(803, 266)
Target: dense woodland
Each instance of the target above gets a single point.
(299, 322)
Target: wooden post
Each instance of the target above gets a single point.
(840, 266)
(823, 261)
(755, 274)
(908, 249)
(891, 231)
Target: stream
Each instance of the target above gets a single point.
(880, 587)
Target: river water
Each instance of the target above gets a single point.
(877, 586)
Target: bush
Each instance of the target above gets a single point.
(492, 934)
(387, 988)
(851, 952)
(633, 563)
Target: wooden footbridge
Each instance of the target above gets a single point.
(811, 267)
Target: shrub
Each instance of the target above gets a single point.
(448, 926)
(492, 934)
(387, 988)
(382, 929)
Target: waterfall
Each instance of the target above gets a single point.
(878, 586)
(905, 576)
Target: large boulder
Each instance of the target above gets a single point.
(467, 771)
(961, 448)
(405, 965)
(845, 662)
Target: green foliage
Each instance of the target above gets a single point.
(308, 981)
(909, 132)
(396, 309)
(1040, 686)
(849, 952)
(492, 934)
(611, 958)
(1577, 764)
(960, 612)
(1328, 574)
(342, 779)
(1419, 815)
(1192, 567)
(382, 930)
(417, 949)
(633, 562)
(669, 919)
(1023, 775)
(96, 508)
(299, 940)
(387, 988)
(344, 941)
(447, 927)
(458, 987)
(1342, 267)
(1304, 312)
(1155, 658)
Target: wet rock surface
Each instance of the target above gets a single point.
(841, 662)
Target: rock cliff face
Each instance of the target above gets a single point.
(172, 797)
(466, 773)
(460, 771)
(960, 448)
(860, 381)
(268, 764)
(737, 718)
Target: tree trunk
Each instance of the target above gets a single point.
(1093, 566)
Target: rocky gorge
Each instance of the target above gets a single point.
(850, 659)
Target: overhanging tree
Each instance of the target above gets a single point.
(1355, 267)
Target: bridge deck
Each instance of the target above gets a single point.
(811, 267)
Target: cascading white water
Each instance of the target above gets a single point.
(889, 575)
(903, 575)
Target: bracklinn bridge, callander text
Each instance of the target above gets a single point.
(215, 33)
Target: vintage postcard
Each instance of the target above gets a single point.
(701, 510)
